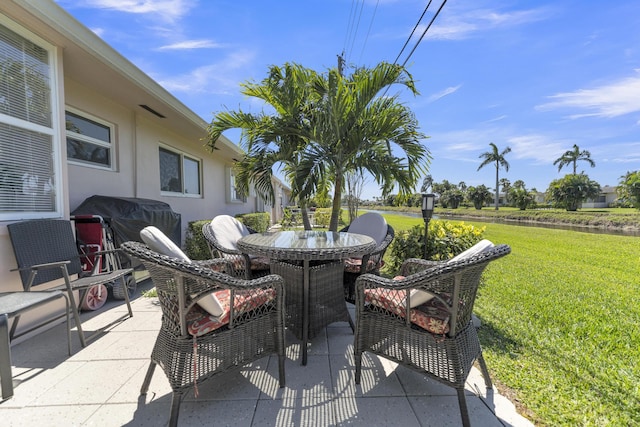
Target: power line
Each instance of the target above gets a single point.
(425, 31)
(349, 28)
(368, 30)
(355, 33)
(412, 31)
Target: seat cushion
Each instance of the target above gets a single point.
(228, 231)
(370, 224)
(159, 242)
(200, 322)
(420, 297)
(432, 316)
(352, 265)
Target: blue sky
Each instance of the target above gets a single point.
(537, 76)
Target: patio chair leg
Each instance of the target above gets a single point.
(464, 412)
(281, 359)
(74, 306)
(485, 372)
(175, 409)
(6, 379)
(358, 363)
(147, 379)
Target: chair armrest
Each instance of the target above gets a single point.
(42, 266)
(414, 265)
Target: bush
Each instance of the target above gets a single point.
(195, 245)
(444, 241)
(258, 221)
(322, 216)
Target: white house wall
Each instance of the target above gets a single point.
(113, 94)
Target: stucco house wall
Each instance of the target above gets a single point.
(93, 79)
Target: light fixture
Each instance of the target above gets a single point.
(428, 204)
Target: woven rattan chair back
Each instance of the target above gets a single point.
(189, 357)
(437, 338)
(221, 234)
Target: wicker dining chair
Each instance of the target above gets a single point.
(435, 337)
(222, 234)
(193, 344)
(374, 225)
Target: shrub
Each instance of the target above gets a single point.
(195, 245)
(258, 221)
(322, 216)
(444, 241)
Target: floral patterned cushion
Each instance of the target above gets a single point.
(257, 263)
(432, 316)
(200, 322)
(352, 265)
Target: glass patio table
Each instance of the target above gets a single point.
(311, 264)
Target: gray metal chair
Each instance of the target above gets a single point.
(437, 337)
(193, 345)
(12, 305)
(46, 250)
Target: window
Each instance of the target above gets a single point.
(89, 140)
(29, 145)
(179, 173)
(234, 195)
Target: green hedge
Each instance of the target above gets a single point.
(195, 245)
(259, 221)
(444, 241)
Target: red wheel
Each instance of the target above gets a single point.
(94, 298)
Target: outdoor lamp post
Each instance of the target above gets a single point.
(428, 202)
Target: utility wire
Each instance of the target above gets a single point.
(412, 31)
(368, 31)
(425, 31)
(349, 28)
(355, 33)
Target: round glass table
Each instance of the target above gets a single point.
(311, 264)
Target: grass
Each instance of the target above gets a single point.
(561, 322)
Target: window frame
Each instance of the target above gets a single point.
(231, 192)
(182, 155)
(111, 145)
(54, 131)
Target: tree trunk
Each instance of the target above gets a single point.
(337, 200)
(305, 215)
(497, 184)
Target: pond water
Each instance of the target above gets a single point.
(519, 223)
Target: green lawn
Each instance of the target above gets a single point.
(561, 323)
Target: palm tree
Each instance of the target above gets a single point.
(353, 128)
(268, 139)
(494, 157)
(571, 157)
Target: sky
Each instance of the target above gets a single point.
(535, 76)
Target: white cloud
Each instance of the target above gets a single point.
(218, 78)
(167, 10)
(191, 44)
(443, 93)
(610, 100)
(456, 24)
(540, 148)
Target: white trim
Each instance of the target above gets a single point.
(111, 145)
(53, 131)
(182, 155)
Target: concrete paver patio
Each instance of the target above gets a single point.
(100, 384)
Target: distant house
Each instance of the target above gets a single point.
(607, 196)
(78, 119)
